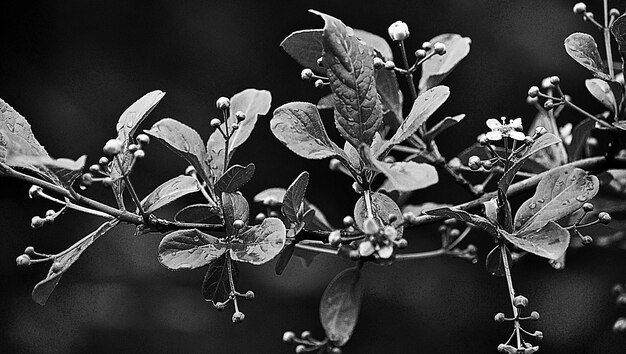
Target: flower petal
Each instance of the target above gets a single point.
(514, 134)
(494, 124)
(516, 123)
(385, 252)
(370, 226)
(366, 248)
(494, 135)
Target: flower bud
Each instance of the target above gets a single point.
(34, 191)
(334, 164)
(520, 301)
(539, 131)
(306, 74)
(587, 207)
(420, 54)
(398, 31)
(402, 243)
(139, 154)
(538, 335)
(389, 159)
(103, 161)
(336, 350)
(357, 188)
(215, 123)
(604, 218)
(366, 248)
(56, 267)
(617, 289)
(614, 12)
(112, 147)
(379, 63)
(427, 46)
(334, 238)
(555, 80)
(37, 222)
(30, 250)
(620, 325)
(50, 212)
(274, 214)
(534, 315)
(621, 300)
(288, 337)
(300, 349)
(143, 139)
(319, 83)
(580, 8)
(305, 335)
(499, 317)
(474, 162)
(482, 139)
(249, 295)
(235, 126)
(240, 116)
(238, 224)
(545, 83)
(107, 182)
(23, 260)
(219, 306)
(408, 217)
(587, 240)
(488, 165)
(259, 217)
(223, 103)
(588, 16)
(190, 170)
(439, 48)
(390, 65)
(238, 317)
(95, 168)
(133, 147)
(533, 91)
(548, 105)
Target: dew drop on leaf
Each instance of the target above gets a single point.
(540, 200)
(532, 205)
(581, 198)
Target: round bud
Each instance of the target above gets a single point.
(499, 317)
(389, 159)
(305, 335)
(620, 325)
(487, 164)
(112, 147)
(427, 46)
(190, 170)
(219, 306)
(300, 349)
(37, 222)
(259, 217)
(30, 250)
(288, 337)
(402, 243)
(390, 232)
(420, 54)
(357, 188)
(617, 289)
(238, 224)
(107, 182)
(587, 240)
(33, 191)
(240, 116)
(86, 179)
(531, 100)
(334, 164)
(471, 249)
(95, 168)
(454, 233)
(390, 65)
(528, 140)
(56, 267)
(555, 80)
(379, 63)
(133, 147)
(604, 218)
(334, 238)
(274, 214)
(143, 139)
(222, 103)
(501, 348)
(348, 220)
(589, 15)
(621, 300)
(520, 301)
(614, 12)
(320, 61)
(534, 315)
(539, 131)
(455, 163)
(235, 126)
(545, 83)
(103, 161)
(548, 105)
(215, 123)
(538, 335)
(319, 83)
(482, 139)
(450, 222)
(587, 207)
(398, 31)
(249, 295)
(474, 162)
(354, 255)
(408, 216)
(23, 260)
(533, 91)
(336, 350)
(50, 212)
(580, 8)
(238, 317)
(139, 154)
(306, 74)
(439, 48)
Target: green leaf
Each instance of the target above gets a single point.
(294, 197)
(618, 28)
(252, 103)
(65, 171)
(424, 106)
(549, 241)
(390, 96)
(494, 263)
(299, 127)
(404, 176)
(377, 42)
(284, 258)
(582, 48)
(382, 208)
(200, 213)
(601, 90)
(560, 192)
(541, 143)
(305, 47)
(350, 70)
(189, 249)
(260, 243)
(442, 126)
(552, 156)
(340, 306)
(479, 221)
(168, 192)
(44, 288)
(234, 178)
(185, 142)
(234, 207)
(16, 138)
(216, 284)
(435, 69)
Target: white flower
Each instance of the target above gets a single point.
(399, 31)
(385, 251)
(566, 133)
(500, 130)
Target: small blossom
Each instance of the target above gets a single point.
(385, 251)
(500, 130)
(399, 31)
(366, 248)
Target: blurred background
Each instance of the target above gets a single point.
(72, 67)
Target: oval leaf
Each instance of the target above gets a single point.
(299, 127)
(601, 90)
(435, 69)
(294, 197)
(618, 28)
(550, 241)
(234, 178)
(340, 305)
(189, 249)
(382, 207)
(234, 207)
(305, 47)
(216, 284)
(582, 48)
(260, 243)
(275, 194)
(199, 213)
(405, 176)
(169, 192)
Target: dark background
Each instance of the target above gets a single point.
(72, 67)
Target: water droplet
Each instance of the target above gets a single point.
(184, 266)
(540, 200)
(581, 198)
(573, 178)
(565, 202)
(191, 250)
(174, 254)
(532, 205)
(196, 239)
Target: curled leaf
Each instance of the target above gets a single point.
(168, 192)
(549, 241)
(294, 197)
(583, 48)
(234, 178)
